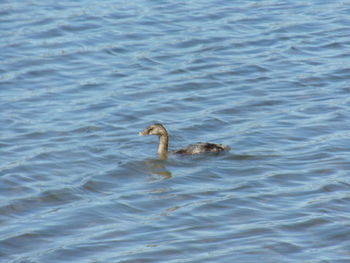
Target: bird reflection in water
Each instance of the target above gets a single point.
(155, 167)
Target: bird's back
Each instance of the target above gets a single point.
(202, 147)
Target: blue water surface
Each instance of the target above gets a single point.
(80, 79)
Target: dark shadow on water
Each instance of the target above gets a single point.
(248, 157)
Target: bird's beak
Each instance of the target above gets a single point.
(144, 132)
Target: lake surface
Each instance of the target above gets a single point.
(80, 79)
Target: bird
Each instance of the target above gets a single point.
(197, 148)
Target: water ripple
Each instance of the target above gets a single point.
(78, 82)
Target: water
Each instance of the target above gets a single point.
(80, 79)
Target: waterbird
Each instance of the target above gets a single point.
(197, 148)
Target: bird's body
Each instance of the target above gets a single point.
(196, 148)
(202, 147)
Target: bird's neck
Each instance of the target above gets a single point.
(163, 146)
